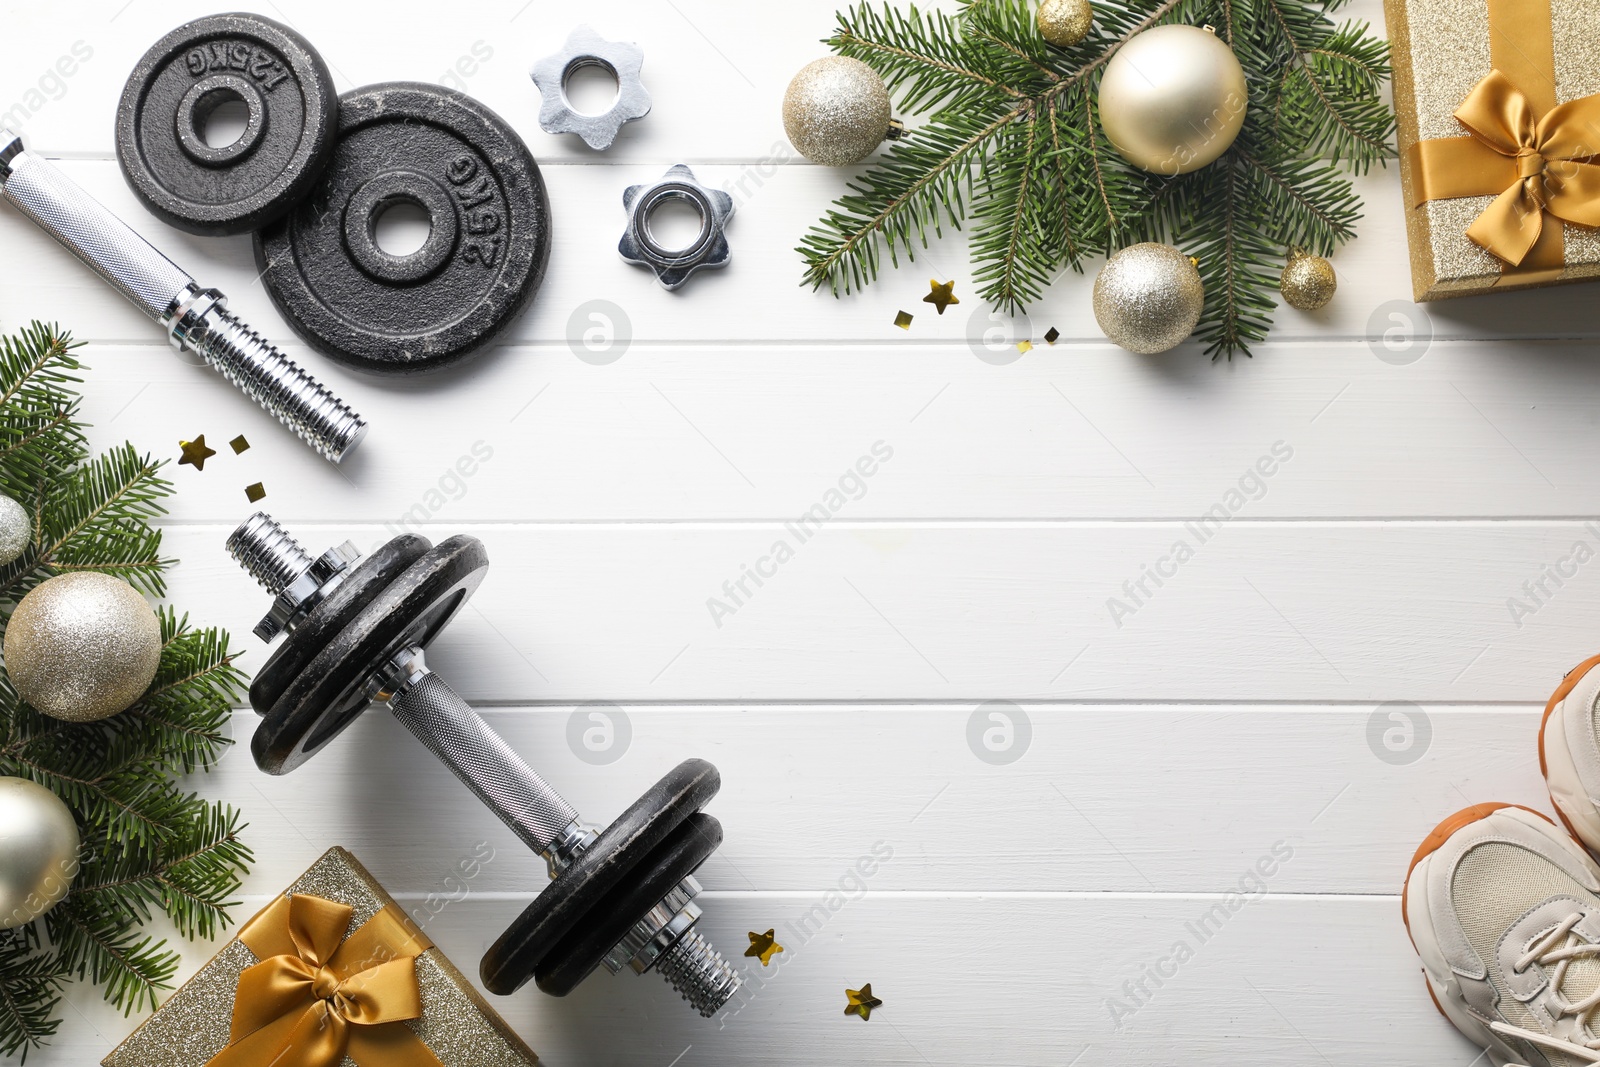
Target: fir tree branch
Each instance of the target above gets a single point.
(30, 992)
(1013, 126)
(148, 846)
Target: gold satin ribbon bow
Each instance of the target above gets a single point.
(1538, 164)
(318, 996)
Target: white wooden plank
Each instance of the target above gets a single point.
(730, 432)
(999, 980)
(1097, 799)
(1262, 612)
(760, 298)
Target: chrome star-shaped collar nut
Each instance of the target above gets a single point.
(585, 48)
(673, 266)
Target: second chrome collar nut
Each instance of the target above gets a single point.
(708, 249)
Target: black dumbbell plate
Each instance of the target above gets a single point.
(576, 956)
(567, 904)
(172, 93)
(330, 691)
(483, 258)
(369, 577)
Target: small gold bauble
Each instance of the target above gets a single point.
(1308, 281)
(1148, 297)
(38, 851)
(15, 530)
(836, 111)
(1173, 99)
(1065, 22)
(82, 646)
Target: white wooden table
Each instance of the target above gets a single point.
(1238, 719)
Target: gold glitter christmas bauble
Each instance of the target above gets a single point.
(1173, 99)
(1064, 22)
(1148, 297)
(836, 111)
(1308, 281)
(82, 646)
(38, 851)
(15, 530)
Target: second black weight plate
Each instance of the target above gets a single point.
(360, 587)
(330, 692)
(563, 906)
(483, 259)
(171, 95)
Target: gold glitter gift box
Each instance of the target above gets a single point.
(456, 1026)
(1543, 53)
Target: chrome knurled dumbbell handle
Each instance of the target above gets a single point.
(194, 318)
(488, 766)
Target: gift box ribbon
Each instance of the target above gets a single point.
(318, 996)
(1536, 157)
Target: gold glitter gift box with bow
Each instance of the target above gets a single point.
(1499, 138)
(330, 974)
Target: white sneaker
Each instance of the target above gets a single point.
(1504, 909)
(1569, 751)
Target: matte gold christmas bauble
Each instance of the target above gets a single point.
(1308, 281)
(1064, 22)
(38, 851)
(82, 646)
(1173, 99)
(1148, 297)
(15, 530)
(836, 111)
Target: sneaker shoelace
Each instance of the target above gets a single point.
(1555, 951)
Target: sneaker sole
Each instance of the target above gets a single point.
(1444, 993)
(1573, 806)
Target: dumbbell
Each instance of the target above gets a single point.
(356, 630)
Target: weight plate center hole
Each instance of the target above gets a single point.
(590, 86)
(401, 226)
(222, 118)
(676, 224)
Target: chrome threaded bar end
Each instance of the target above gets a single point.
(277, 383)
(267, 551)
(699, 973)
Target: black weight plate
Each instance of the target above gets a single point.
(182, 79)
(329, 693)
(366, 579)
(583, 949)
(406, 142)
(566, 902)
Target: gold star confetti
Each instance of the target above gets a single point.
(764, 946)
(861, 1001)
(238, 444)
(255, 491)
(941, 296)
(195, 453)
(903, 320)
(1052, 335)
(1024, 347)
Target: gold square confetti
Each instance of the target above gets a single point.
(255, 491)
(238, 444)
(1024, 346)
(903, 320)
